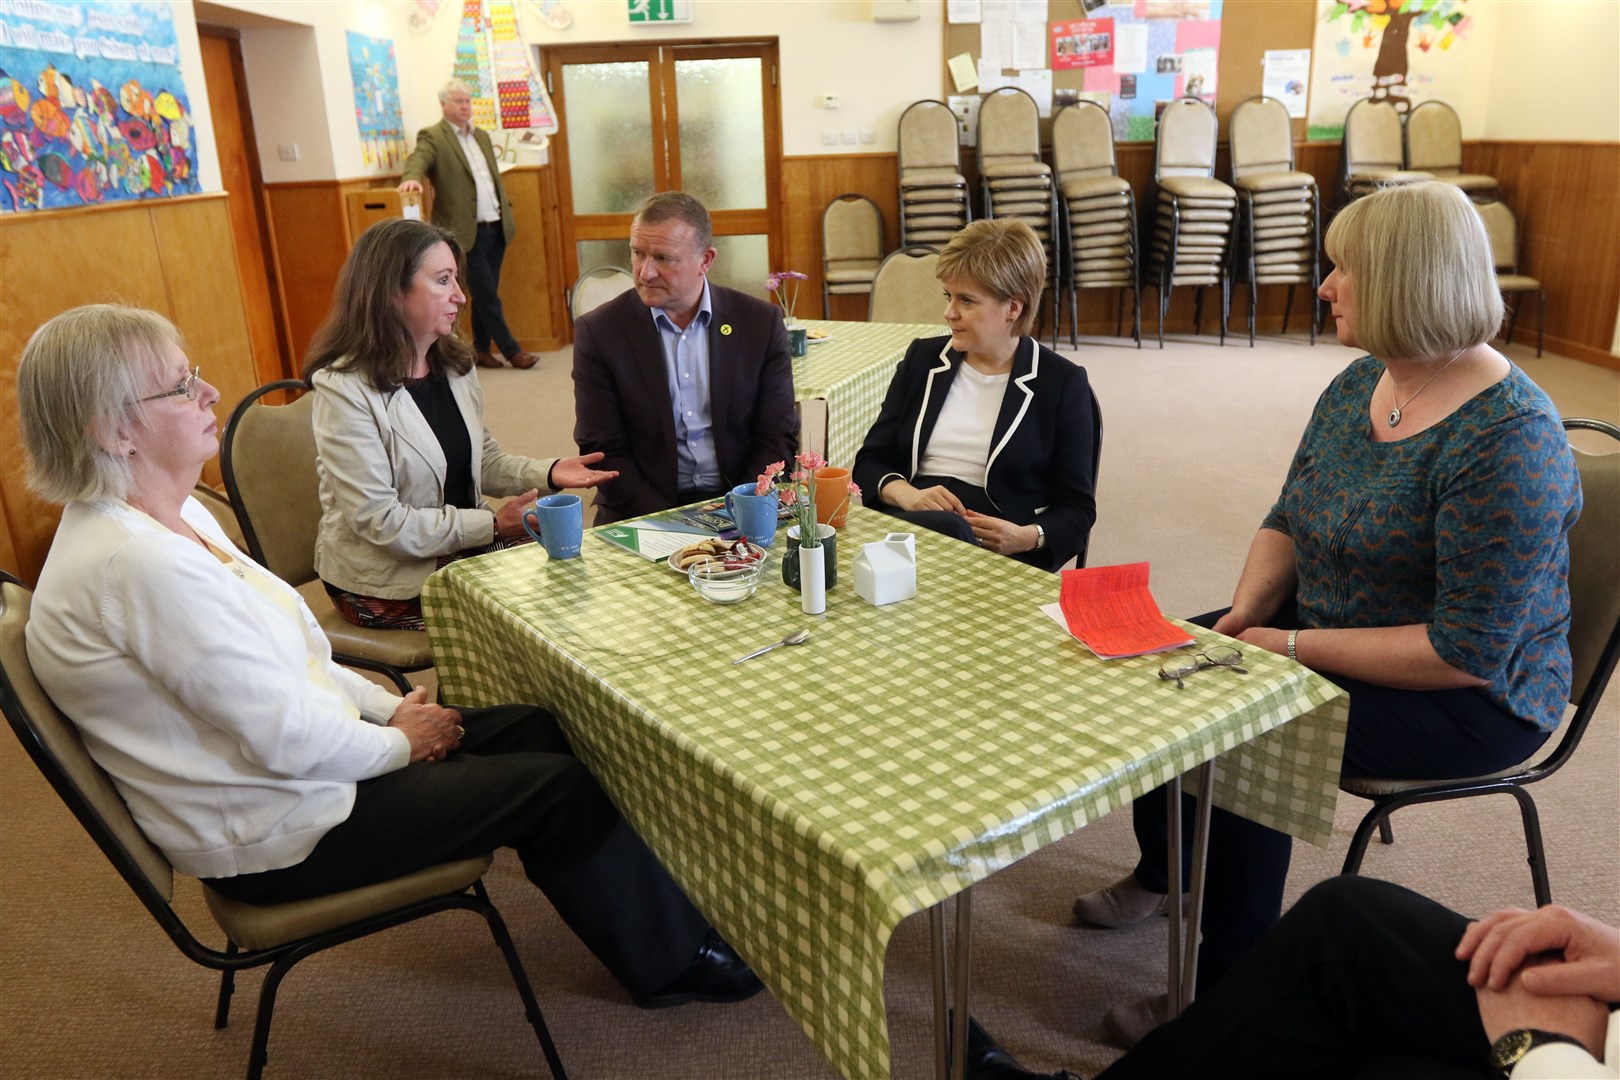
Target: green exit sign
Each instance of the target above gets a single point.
(654, 12)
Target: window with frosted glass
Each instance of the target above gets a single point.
(722, 131)
(610, 140)
(742, 263)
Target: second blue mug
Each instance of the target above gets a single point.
(557, 523)
(754, 515)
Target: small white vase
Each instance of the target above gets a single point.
(813, 580)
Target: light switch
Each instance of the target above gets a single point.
(829, 137)
(288, 151)
(851, 136)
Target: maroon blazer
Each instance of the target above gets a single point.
(622, 405)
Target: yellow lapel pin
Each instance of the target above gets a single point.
(725, 329)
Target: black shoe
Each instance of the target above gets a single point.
(988, 1061)
(717, 973)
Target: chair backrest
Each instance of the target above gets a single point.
(1503, 233)
(851, 229)
(54, 745)
(1083, 142)
(905, 289)
(1434, 138)
(1372, 137)
(1594, 567)
(928, 136)
(268, 458)
(1009, 127)
(596, 287)
(1185, 145)
(1261, 138)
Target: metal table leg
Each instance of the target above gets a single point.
(1172, 792)
(950, 1037)
(1183, 974)
(936, 942)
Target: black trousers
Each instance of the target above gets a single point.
(484, 283)
(513, 783)
(1436, 734)
(1358, 980)
(949, 522)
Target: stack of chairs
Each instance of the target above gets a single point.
(1096, 215)
(1503, 231)
(1016, 182)
(1434, 145)
(1193, 211)
(851, 247)
(933, 192)
(1279, 207)
(1373, 154)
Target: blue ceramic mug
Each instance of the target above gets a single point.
(754, 515)
(557, 523)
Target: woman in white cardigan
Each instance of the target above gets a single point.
(206, 690)
(405, 458)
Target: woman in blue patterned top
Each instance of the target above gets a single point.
(1418, 555)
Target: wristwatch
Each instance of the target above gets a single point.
(1040, 538)
(1506, 1051)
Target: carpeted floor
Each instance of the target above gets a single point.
(1197, 441)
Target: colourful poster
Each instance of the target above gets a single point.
(1082, 43)
(92, 106)
(1161, 50)
(376, 101)
(1385, 49)
(493, 59)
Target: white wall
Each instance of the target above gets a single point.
(1554, 70)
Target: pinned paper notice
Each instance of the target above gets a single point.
(1130, 47)
(1111, 612)
(963, 72)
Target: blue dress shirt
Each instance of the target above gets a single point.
(686, 369)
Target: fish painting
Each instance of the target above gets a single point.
(135, 100)
(168, 106)
(87, 186)
(15, 151)
(53, 84)
(56, 170)
(138, 133)
(49, 119)
(28, 191)
(14, 100)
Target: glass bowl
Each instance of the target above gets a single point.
(716, 582)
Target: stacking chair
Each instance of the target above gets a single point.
(1279, 208)
(278, 935)
(1503, 231)
(1373, 153)
(933, 193)
(1434, 145)
(1096, 215)
(223, 512)
(268, 458)
(1193, 211)
(1016, 183)
(905, 290)
(851, 247)
(596, 287)
(1594, 645)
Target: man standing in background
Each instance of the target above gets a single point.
(470, 200)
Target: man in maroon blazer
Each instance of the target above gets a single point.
(687, 387)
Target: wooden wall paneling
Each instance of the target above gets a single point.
(526, 274)
(808, 185)
(312, 239)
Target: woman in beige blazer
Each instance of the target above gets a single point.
(405, 460)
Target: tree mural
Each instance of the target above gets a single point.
(1428, 24)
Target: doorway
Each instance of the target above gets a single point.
(704, 118)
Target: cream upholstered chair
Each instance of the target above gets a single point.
(933, 193)
(1279, 207)
(268, 458)
(596, 287)
(905, 289)
(851, 247)
(278, 935)
(1434, 145)
(1194, 211)
(1096, 214)
(1594, 646)
(1503, 231)
(1373, 152)
(1015, 182)
(224, 514)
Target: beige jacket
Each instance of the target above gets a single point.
(384, 522)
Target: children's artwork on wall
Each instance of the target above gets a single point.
(1403, 51)
(493, 59)
(1161, 50)
(376, 101)
(92, 106)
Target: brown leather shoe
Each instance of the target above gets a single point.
(523, 361)
(486, 359)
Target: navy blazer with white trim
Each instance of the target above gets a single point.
(1042, 449)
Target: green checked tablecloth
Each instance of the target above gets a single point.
(809, 800)
(850, 372)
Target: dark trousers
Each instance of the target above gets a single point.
(484, 283)
(1358, 980)
(949, 522)
(513, 783)
(1433, 734)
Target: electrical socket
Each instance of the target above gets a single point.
(829, 137)
(851, 136)
(868, 135)
(287, 151)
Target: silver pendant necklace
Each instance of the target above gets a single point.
(1394, 417)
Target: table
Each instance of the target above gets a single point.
(810, 800)
(839, 385)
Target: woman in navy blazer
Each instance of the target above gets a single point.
(986, 435)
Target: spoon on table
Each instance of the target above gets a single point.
(798, 637)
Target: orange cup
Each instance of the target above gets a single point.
(832, 496)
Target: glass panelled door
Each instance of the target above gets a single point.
(641, 119)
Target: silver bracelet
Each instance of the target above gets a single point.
(1293, 637)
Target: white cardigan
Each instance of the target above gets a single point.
(384, 521)
(199, 695)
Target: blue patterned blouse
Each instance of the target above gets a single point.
(1464, 526)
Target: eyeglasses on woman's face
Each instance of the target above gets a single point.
(1178, 668)
(186, 388)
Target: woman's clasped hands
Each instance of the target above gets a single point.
(434, 731)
